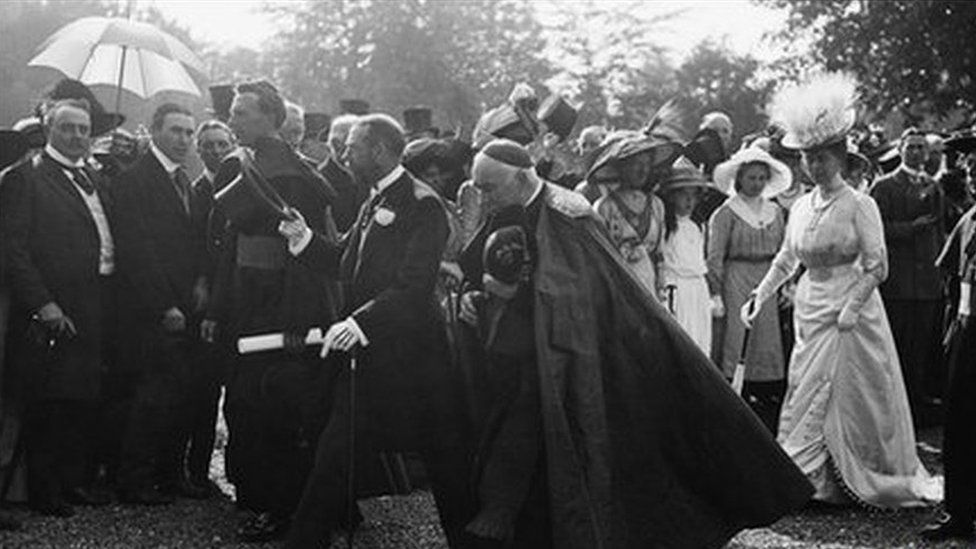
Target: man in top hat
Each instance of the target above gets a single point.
(59, 262)
(260, 289)
(912, 208)
(407, 392)
(163, 266)
(214, 141)
(593, 443)
(349, 195)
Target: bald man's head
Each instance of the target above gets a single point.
(504, 173)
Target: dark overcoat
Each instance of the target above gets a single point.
(51, 254)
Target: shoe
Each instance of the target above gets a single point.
(90, 498)
(949, 528)
(263, 527)
(58, 509)
(146, 496)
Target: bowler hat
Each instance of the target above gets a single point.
(706, 148)
(558, 115)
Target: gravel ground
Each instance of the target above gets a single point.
(410, 522)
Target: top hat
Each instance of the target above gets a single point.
(243, 194)
(359, 107)
(316, 123)
(418, 120)
(13, 146)
(558, 115)
(101, 121)
(221, 97)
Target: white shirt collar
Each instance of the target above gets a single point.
(388, 180)
(538, 191)
(62, 159)
(164, 160)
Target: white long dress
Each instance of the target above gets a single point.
(846, 421)
(683, 267)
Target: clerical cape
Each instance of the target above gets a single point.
(646, 444)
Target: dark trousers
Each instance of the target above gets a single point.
(916, 327)
(322, 508)
(150, 456)
(196, 429)
(269, 448)
(59, 441)
(959, 444)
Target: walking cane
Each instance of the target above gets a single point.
(351, 471)
(739, 375)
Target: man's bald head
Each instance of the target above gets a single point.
(504, 173)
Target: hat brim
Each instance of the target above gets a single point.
(662, 153)
(780, 175)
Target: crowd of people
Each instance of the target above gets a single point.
(556, 330)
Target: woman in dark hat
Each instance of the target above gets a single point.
(627, 170)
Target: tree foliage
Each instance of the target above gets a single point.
(455, 56)
(906, 53)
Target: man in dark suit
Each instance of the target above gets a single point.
(260, 289)
(349, 195)
(912, 207)
(162, 260)
(59, 260)
(214, 140)
(406, 393)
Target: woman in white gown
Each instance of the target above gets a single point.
(846, 421)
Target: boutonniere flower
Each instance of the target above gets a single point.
(384, 216)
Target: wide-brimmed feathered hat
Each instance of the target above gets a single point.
(780, 176)
(816, 113)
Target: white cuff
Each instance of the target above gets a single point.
(354, 326)
(299, 247)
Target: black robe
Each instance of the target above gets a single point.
(646, 444)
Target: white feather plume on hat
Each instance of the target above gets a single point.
(817, 112)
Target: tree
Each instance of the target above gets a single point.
(609, 61)
(718, 79)
(909, 55)
(457, 57)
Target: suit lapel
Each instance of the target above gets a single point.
(161, 179)
(64, 185)
(392, 199)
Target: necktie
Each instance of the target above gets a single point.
(81, 179)
(182, 184)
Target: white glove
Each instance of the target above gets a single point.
(749, 311)
(342, 336)
(296, 231)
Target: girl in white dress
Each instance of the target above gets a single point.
(683, 266)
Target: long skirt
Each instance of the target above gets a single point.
(764, 357)
(692, 309)
(846, 421)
